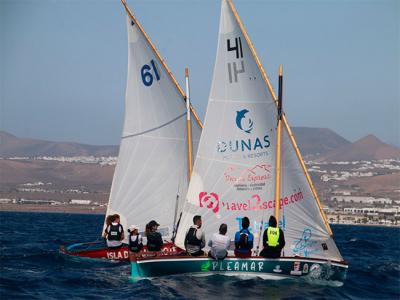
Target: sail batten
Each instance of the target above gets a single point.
(155, 128)
(234, 174)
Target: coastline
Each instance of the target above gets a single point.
(366, 225)
(62, 209)
(101, 210)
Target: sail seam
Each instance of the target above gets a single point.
(154, 128)
(223, 161)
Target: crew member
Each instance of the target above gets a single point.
(135, 239)
(195, 239)
(109, 220)
(273, 240)
(154, 238)
(244, 240)
(114, 233)
(219, 243)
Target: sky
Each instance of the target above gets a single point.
(63, 64)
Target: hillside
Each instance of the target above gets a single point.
(367, 148)
(378, 185)
(321, 143)
(317, 141)
(12, 146)
(92, 176)
(311, 141)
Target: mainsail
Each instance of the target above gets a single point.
(152, 168)
(234, 171)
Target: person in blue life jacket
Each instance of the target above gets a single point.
(195, 239)
(135, 239)
(154, 238)
(114, 232)
(244, 240)
(273, 240)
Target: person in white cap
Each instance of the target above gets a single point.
(135, 239)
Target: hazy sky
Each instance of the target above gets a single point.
(63, 64)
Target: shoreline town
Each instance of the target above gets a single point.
(352, 192)
(342, 219)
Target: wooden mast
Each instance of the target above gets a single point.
(278, 150)
(188, 123)
(130, 14)
(285, 122)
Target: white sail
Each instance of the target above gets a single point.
(305, 231)
(234, 171)
(152, 168)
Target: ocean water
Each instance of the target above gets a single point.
(32, 268)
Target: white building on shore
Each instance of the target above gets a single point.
(361, 199)
(80, 201)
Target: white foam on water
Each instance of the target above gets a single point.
(246, 276)
(321, 282)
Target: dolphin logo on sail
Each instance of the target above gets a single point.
(243, 123)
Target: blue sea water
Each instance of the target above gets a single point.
(32, 268)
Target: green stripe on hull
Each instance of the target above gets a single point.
(261, 267)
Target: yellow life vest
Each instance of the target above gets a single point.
(273, 236)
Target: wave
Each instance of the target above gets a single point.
(31, 267)
(363, 243)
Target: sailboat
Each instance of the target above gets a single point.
(156, 151)
(248, 165)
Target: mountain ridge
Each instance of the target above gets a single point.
(367, 148)
(13, 146)
(321, 144)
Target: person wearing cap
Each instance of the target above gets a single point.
(114, 233)
(135, 239)
(154, 238)
(195, 239)
(273, 240)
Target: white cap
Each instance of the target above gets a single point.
(133, 227)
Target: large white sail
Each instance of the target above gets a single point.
(234, 171)
(152, 168)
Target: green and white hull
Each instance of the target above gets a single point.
(256, 266)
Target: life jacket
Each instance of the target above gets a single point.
(191, 238)
(114, 232)
(273, 236)
(243, 239)
(154, 241)
(134, 243)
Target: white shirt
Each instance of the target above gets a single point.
(135, 237)
(219, 245)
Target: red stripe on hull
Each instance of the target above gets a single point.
(120, 254)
